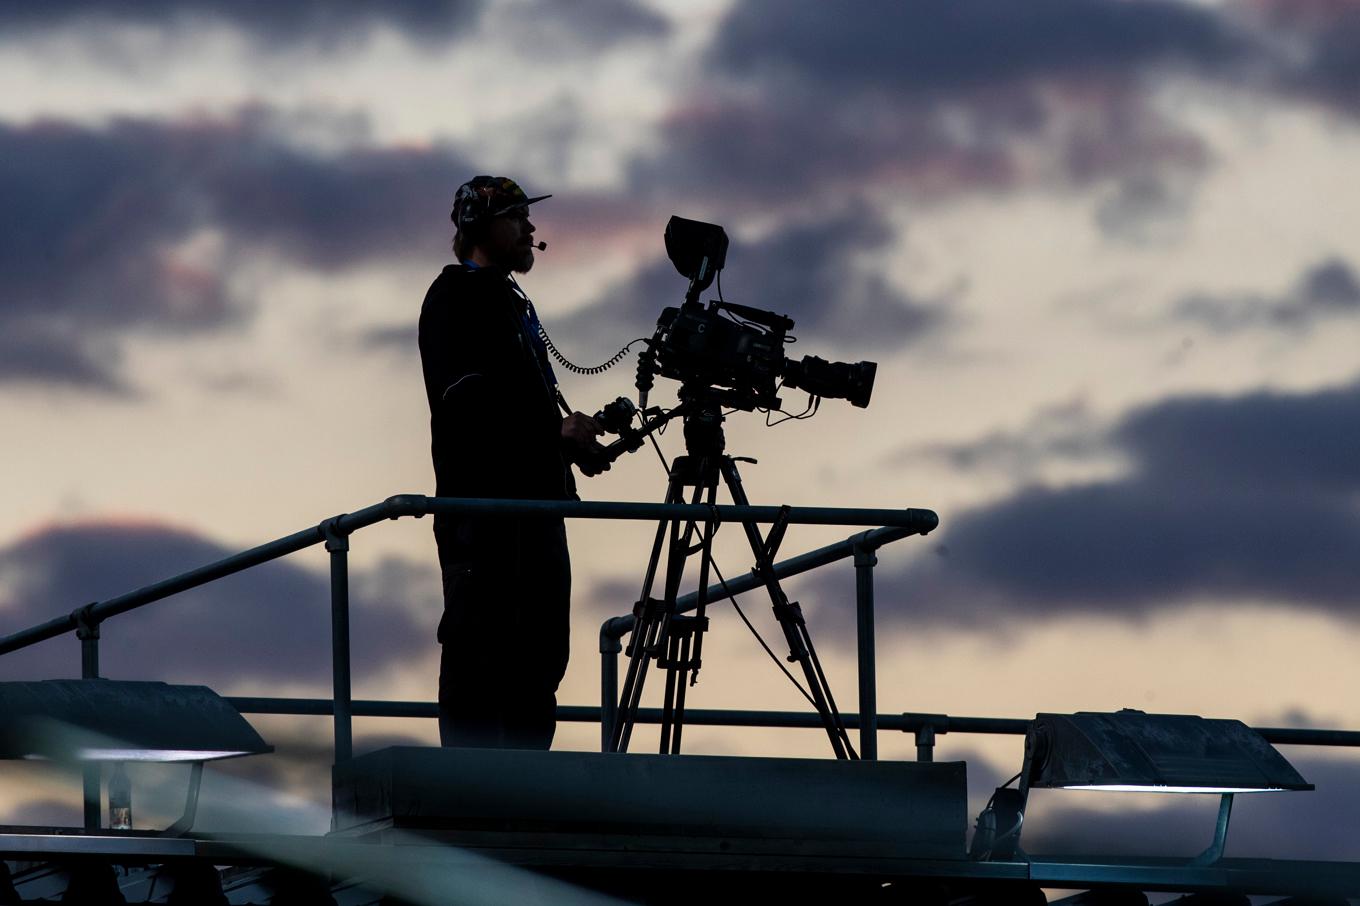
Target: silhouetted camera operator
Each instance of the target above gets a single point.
(497, 432)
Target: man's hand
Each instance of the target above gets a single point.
(578, 439)
(580, 430)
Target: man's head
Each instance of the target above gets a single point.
(492, 216)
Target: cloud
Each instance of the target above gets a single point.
(947, 44)
(138, 224)
(270, 623)
(1301, 445)
(1251, 496)
(576, 26)
(1328, 289)
(35, 352)
(1318, 49)
(940, 97)
(1067, 432)
(826, 275)
(399, 339)
(321, 23)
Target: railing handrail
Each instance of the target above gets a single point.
(919, 521)
(904, 721)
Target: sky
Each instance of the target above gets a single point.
(1104, 252)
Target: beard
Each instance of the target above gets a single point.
(518, 259)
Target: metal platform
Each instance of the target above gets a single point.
(656, 810)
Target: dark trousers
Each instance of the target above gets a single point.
(505, 631)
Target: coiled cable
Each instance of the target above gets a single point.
(573, 367)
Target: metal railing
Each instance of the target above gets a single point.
(335, 533)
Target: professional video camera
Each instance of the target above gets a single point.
(725, 356)
(734, 354)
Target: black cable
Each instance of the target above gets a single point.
(774, 657)
(831, 708)
(814, 403)
(659, 455)
(565, 362)
(573, 367)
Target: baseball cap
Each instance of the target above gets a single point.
(484, 197)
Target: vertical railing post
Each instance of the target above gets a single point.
(925, 743)
(87, 630)
(337, 543)
(865, 560)
(611, 632)
(609, 688)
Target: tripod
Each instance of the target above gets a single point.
(674, 640)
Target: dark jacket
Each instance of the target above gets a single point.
(494, 422)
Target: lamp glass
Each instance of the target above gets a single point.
(1160, 788)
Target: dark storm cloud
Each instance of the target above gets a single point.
(1328, 289)
(1247, 498)
(306, 22)
(136, 226)
(267, 623)
(944, 44)
(937, 96)
(825, 275)
(1298, 444)
(1064, 432)
(1320, 54)
(557, 26)
(45, 354)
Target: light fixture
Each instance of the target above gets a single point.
(100, 720)
(1132, 751)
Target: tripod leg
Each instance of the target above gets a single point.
(668, 703)
(791, 621)
(674, 628)
(643, 638)
(701, 605)
(652, 634)
(680, 687)
(689, 660)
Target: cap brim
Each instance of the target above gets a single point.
(519, 204)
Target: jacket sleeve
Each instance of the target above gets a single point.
(459, 370)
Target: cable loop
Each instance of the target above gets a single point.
(573, 367)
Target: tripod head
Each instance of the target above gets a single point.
(700, 410)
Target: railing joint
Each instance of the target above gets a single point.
(87, 624)
(912, 720)
(336, 540)
(400, 505)
(612, 631)
(925, 743)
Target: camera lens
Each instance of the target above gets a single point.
(834, 380)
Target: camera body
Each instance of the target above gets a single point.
(735, 354)
(701, 347)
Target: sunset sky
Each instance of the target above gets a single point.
(1105, 252)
